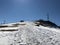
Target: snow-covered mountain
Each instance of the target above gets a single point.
(26, 33)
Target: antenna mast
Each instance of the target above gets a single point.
(4, 21)
(47, 16)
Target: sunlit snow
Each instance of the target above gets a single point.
(29, 34)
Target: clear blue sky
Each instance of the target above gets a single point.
(16, 10)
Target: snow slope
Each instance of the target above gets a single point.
(30, 34)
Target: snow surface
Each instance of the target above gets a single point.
(30, 34)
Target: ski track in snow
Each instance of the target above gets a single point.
(31, 35)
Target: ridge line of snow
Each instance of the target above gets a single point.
(51, 29)
(7, 28)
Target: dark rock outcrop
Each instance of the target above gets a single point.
(45, 23)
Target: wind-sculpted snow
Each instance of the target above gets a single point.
(31, 35)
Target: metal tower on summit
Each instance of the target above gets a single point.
(48, 17)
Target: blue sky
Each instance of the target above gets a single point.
(16, 10)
